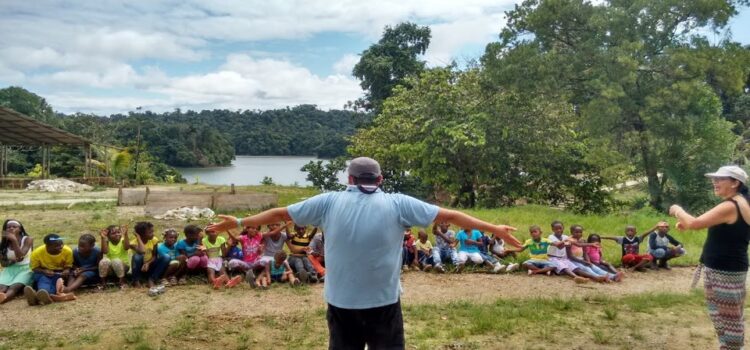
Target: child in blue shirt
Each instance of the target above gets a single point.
(169, 248)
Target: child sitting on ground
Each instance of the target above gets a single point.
(316, 254)
(658, 246)
(469, 241)
(538, 262)
(576, 255)
(558, 254)
(631, 244)
(191, 257)
(146, 259)
(86, 259)
(497, 248)
(51, 264)
(115, 259)
(278, 271)
(298, 246)
(252, 251)
(168, 250)
(409, 256)
(593, 254)
(423, 247)
(216, 248)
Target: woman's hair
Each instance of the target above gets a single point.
(592, 237)
(4, 242)
(744, 191)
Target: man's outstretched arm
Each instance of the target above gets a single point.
(466, 221)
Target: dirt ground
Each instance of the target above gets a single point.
(113, 309)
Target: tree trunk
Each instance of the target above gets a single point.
(652, 175)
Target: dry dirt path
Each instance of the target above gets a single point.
(113, 309)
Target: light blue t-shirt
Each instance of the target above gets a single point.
(188, 248)
(363, 244)
(462, 237)
(172, 253)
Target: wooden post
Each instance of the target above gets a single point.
(145, 199)
(44, 162)
(232, 191)
(119, 195)
(213, 199)
(2, 161)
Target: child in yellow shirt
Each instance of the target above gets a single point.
(51, 264)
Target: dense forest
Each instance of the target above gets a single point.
(184, 139)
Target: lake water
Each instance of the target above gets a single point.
(250, 170)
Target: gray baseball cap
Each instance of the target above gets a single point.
(732, 171)
(364, 167)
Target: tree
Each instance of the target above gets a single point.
(636, 73)
(387, 63)
(488, 148)
(325, 177)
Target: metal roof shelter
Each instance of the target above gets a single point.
(17, 129)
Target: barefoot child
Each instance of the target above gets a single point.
(15, 255)
(409, 257)
(576, 255)
(593, 254)
(115, 259)
(146, 259)
(168, 250)
(216, 248)
(86, 259)
(51, 264)
(424, 251)
(191, 257)
(538, 262)
(558, 254)
(252, 250)
(279, 271)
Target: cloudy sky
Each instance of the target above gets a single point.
(113, 56)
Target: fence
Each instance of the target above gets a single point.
(159, 201)
(23, 182)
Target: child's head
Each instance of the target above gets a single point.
(407, 232)
(557, 227)
(113, 233)
(422, 236)
(192, 233)
(170, 237)
(15, 227)
(594, 238)
(250, 231)
(630, 231)
(576, 231)
(535, 231)
(300, 230)
(53, 243)
(145, 230)
(662, 228)
(279, 257)
(444, 226)
(212, 234)
(86, 243)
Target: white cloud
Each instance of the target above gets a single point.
(449, 38)
(345, 65)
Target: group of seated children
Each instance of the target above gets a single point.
(458, 249)
(572, 256)
(57, 271)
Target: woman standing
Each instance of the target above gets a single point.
(15, 251)
(724, 256)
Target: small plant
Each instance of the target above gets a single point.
(267, 181)
(610, 314)
(599, 337)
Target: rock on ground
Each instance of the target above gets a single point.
(57, 185)
(186, 213)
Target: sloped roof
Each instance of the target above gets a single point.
(17, 129)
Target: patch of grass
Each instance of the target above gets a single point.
(610, 313)
(89, 338)
(599, 337)
(134, 335)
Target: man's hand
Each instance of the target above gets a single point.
(228, 222)
(505, 233)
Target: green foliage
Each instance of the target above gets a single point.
(640, 74)
(389, 62)
(267, 181)
(325, 177)
(36, 172)
(483, 148)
